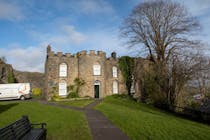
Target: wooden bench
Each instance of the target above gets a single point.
(22, 129)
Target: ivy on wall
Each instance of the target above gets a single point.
(10, 77)
(126, 64)
(73, 90)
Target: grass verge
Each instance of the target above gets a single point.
(140, 121)
(62, 124)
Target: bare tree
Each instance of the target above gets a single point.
(163, 28)
(181, 69)
(202, 76)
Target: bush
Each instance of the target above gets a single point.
(37, 91)
(11, 77)
(55, 97)
(193, 104)
(73, 90)
(73, 95)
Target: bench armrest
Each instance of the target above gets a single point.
(43, 125)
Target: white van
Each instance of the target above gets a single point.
(20, 91)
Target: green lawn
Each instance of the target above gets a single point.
(62, 124)
(77, 103)
(141, 122)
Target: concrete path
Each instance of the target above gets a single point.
(101, 128)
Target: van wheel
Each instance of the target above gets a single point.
(22, 97)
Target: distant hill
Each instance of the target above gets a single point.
(35, 78)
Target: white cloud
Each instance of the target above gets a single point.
(9, 11)
(25, 59)
(64, 35)
(68, 35)
(196, 7)
(32, 58)
(105, 40)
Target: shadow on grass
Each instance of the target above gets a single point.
(7, 107)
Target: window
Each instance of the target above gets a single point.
(96, 70)
(114, 71)
(62, 89)
(63, 70)
(115, 87)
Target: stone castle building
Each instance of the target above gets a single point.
(102, 75)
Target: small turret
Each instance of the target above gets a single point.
(48, 49)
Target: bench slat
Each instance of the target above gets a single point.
(21, 129)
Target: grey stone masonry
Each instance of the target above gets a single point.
(82, 65)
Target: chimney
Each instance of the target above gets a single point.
(48, 49)
(114, 55)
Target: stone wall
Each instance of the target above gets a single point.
(81, 65)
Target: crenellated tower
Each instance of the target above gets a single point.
(102, 75)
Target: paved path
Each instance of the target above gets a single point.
(101, 128)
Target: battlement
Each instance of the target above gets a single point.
(79, 54)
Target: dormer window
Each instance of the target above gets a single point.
(63, 70)
(114, 71)
(97, 69)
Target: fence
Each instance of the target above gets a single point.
(194, 114)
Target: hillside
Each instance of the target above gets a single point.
(144, 122)
(6, 70)
(35, 78)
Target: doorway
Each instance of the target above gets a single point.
(97, 89)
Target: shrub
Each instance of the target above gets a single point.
(193, 104)
(73, 90)
(37, 91)
(55, 97)
(10, 77)
(73, 95)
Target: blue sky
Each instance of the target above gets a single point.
(28, 26)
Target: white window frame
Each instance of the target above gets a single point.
(114, 71)
(115, 87)
(62, 89)
(97, 69)
(63, 70)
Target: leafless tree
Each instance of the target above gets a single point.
(181, 69)
(202, 75)
(163, 28)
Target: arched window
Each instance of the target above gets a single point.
(114, 71)
(97, 69)
(115, 87)
(63, 70)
